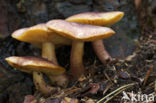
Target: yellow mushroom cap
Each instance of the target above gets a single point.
(29, 64)
(78, 31)
(39, 34)
(97, 18)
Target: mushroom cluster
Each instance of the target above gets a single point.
(74, 31)
(100, 19)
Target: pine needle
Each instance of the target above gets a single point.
(115, 92)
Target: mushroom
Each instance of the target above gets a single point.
(78, 33)
(36, 66)
(100, 19)
(40, 36)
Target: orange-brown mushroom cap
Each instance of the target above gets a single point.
(39, 34)
(97, 18)
(29, 64)
(78, 31)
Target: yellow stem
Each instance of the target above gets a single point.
(41, 85)
(48, 52)
(76, 59)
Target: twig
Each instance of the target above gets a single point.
(116, 94)
(107, 88)
(147, 75)
(155, 87)
(106, 75)
(121, 88)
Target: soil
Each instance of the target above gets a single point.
(133, 49)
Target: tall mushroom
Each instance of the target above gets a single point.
(100, 19)
(40, 36)
(78, 33)
(36, 66)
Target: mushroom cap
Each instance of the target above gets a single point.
(97, 18)
(29, 64)
(78, 31)
(39, 34)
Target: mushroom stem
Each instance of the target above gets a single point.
(76, 59)
(61, 80)
(100, 51)
(41, 85)
(48, 51)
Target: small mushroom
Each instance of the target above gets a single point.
(37, 66)
(78, 33)
(100, 19)
(40, 36)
